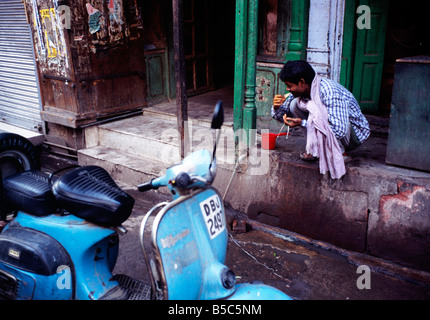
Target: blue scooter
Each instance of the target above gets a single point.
(62, 241)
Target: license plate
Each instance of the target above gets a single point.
(212, 212)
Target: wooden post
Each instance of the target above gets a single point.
(181, 84)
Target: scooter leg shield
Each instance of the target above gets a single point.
(18, 284)
(33, 265)
(248, 291)
(91, 252)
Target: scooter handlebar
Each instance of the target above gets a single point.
(146, 186)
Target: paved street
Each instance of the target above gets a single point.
(300, 267)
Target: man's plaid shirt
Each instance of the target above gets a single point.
(342, 108)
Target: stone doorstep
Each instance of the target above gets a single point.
(156, 138)
(195, 120)
(132, 170)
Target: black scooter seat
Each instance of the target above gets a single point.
(29, 191)
(90, 193)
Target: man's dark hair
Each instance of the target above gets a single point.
(293, 71)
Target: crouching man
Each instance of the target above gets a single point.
(331, 115)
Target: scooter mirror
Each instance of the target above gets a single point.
(218, 116)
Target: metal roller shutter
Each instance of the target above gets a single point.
(19, 92)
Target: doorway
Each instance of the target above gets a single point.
(407, 35)
(208, 44)
(369, 55)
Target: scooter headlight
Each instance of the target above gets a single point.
(228, 278)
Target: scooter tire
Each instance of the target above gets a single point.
(17, 154)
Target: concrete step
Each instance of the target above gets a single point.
(127, 169)
(123, 167)
(155, 137)
(140, 148)
(150, 137)
(202, 120)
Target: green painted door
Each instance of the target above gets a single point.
(348, 46)
(363, 51)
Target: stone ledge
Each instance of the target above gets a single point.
(375, 208)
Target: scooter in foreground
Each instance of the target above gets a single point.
(63, 236)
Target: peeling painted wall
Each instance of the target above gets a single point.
(48, 37)
(90, 57)
(101, 27)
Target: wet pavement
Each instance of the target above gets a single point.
(302, 268)
(309, 273)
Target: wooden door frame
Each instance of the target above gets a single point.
(193, 58)
(350, 75)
